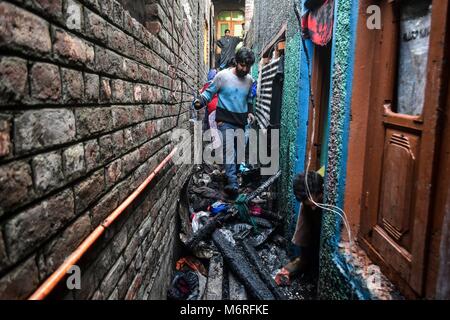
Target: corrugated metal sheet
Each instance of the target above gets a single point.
(264, 96)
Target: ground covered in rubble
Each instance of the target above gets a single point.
(234, 249)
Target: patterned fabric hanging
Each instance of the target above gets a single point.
(317, 24)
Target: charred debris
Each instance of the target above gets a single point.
(233, 248)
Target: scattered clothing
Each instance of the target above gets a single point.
(199, 219)
(218, 208)
(189, 282)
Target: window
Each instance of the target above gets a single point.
(414, 36)
(231, 20)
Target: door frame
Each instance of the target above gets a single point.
(321, 85)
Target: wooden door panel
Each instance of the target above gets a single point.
(396, 256)
(397, 188)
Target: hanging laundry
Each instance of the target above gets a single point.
(317, 24)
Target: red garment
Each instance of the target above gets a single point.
(212, 105)
(317, 24)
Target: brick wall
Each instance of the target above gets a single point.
(87, 106)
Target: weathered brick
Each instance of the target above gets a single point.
(120, 116)
(3, 256)
(73, 15)
(107, 8)
(20, 282)
(72, 48)
(106, 148)
(105, 90)
(96, 26)
(117, 13)
(61, 247)
(124, 189)
(138, 260)
(144, 74)
(51, 8)
(153, 26)
(48, 172)
(105, 206)
(113, 172)
(122, 286)
(150, 129)
(92, 154)
(138, 93)
(16, 185)
(91, 87)
(108, 61)
(26, 231)
(139, 133)
(92, 120)
(24, 30)
(128, 137)
(98, 295)
(89, 190)
(131, 25)
(137, 114)
(122, 91)
(113, 276)
(114, 295)
(145, 151)
(34, 130)
(130, 162)
(147, 94)
(134, 288)
(73, 85)
(14, 84)
(130, 69)
(74, 164)
(94, 3)
(119, 41)
(45, 82)
(149, 112)
(5, 136)
(119, 242)
(119, 143)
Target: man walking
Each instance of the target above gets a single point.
(227, 44)
(234, 109)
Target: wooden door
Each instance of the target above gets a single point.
(402, 137)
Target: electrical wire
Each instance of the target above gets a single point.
(327, 207)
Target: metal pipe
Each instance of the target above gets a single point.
(46, 288)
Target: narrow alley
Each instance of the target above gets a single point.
(224, 150)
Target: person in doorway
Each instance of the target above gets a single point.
(307, 231)
(227, 44)
(234, 109)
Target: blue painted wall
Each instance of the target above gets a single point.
(336, 280)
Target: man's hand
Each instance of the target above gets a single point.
(197, 104)
(251, 118)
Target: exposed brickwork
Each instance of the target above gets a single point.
(87, 107)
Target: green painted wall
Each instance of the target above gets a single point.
(288, 130)
(336, 281)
